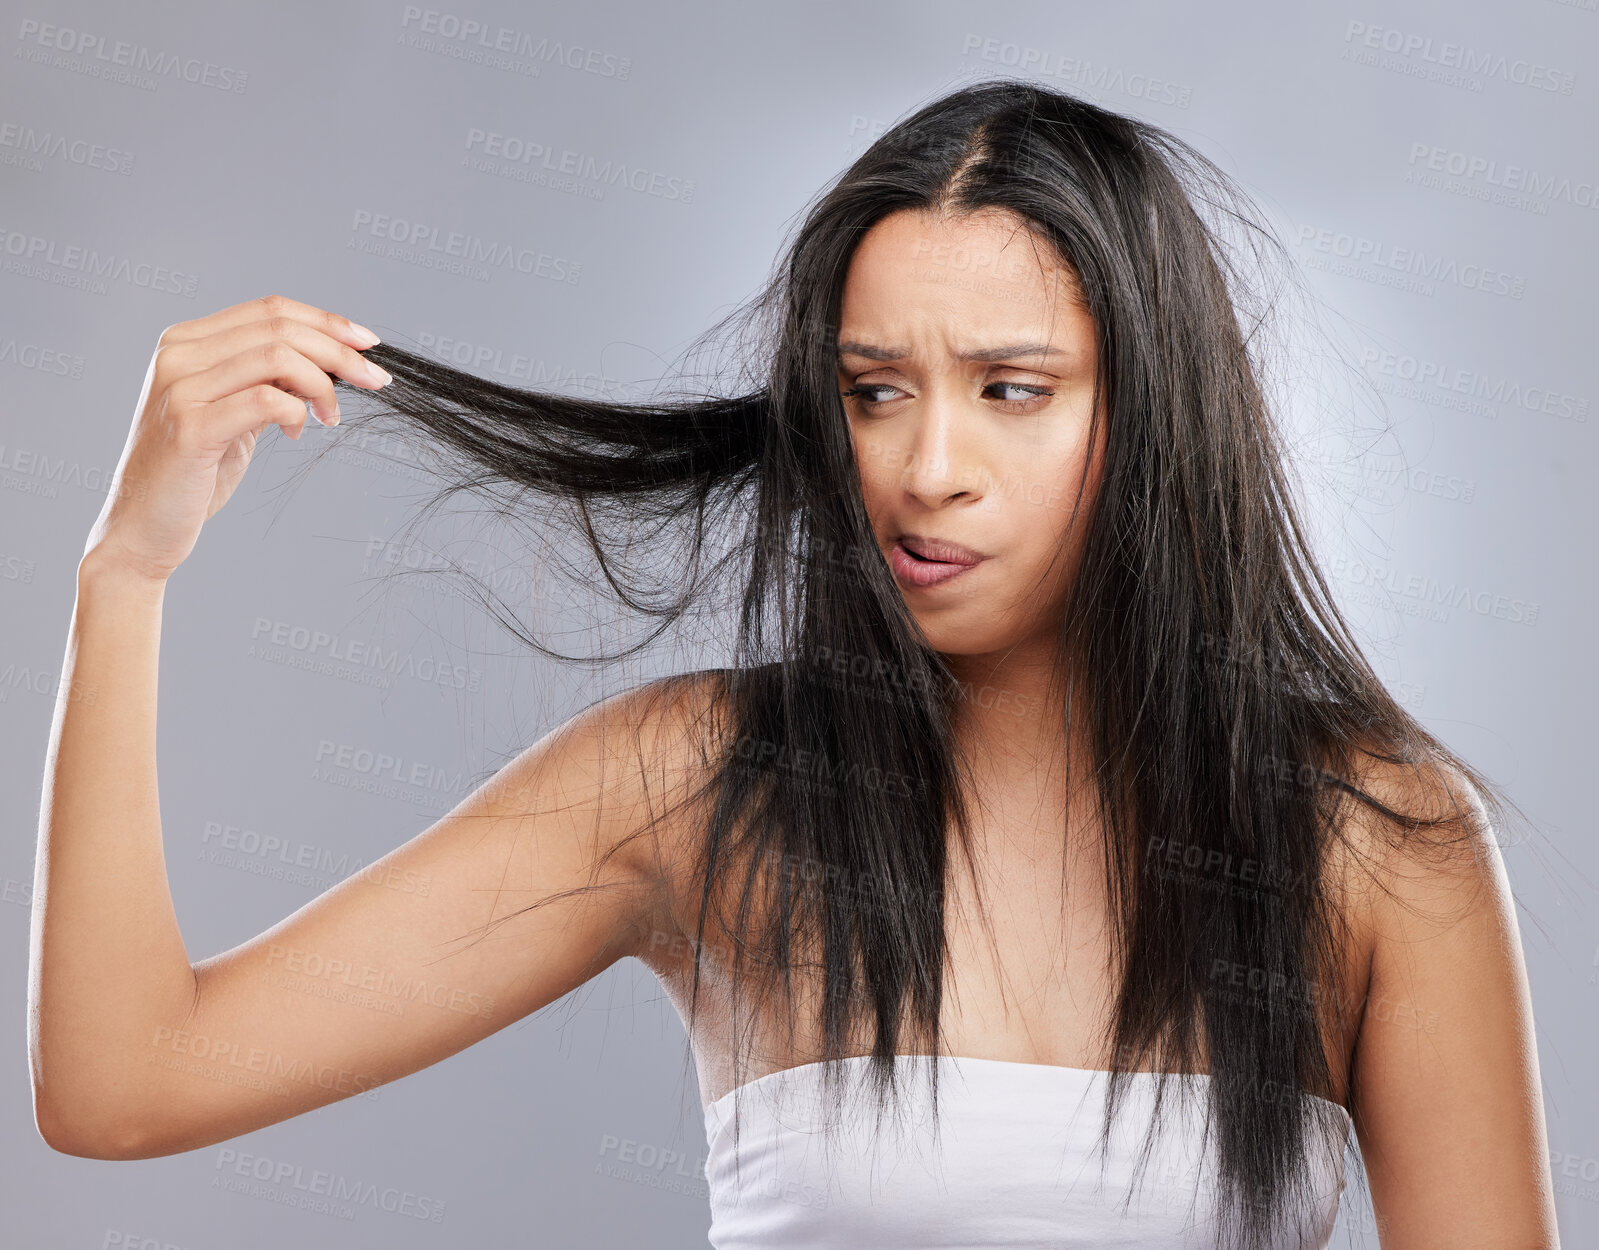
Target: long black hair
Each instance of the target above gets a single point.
(1228, 712)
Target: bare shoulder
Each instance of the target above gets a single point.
(1417, 838)
(1414, 853)
(1446, 1096)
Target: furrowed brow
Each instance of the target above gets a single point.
(986, 355)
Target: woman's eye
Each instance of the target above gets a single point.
(864, 392)
(1033, 392)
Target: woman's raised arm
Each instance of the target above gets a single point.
(136, 1051)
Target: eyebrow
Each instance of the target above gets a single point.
(987, 355)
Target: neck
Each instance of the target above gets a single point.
(1013, 711)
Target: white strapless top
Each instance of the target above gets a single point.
(1015, 1164)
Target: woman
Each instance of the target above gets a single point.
(1046, 769)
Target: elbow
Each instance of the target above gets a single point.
(84, 1138)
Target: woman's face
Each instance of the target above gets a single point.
(971, 359)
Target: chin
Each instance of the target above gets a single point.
(949, 639)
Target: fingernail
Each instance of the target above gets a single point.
(378, 374)
(335, 419)
(362, 332)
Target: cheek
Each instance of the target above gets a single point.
(878, 472)
(1034, 504)
(874, 459)
(1043, 537)
(1038, 484)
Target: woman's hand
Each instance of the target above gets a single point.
(214, 384)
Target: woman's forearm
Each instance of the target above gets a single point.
(108, 962)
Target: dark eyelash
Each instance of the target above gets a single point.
(1038, 391)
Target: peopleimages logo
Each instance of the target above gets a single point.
(499, 47)
(1503, 176)
(29, 148)
(1445, 54)
(43, 359)
(507, 155)
(320, 651)
(1419, 371)
(271, 855)
(386, 556)
(517, 366)
(1429, 596)
(423, 243)
(1089, 75)
(382, 981)
(334, 1186)
(38, 474)
(384, 767)
(77, 265)
(1413, 263)
(135, 64)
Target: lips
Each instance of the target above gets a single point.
(938, 549)
(920, 561)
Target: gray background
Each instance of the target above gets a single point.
(1334, 117)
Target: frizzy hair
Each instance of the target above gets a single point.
(1229, 713)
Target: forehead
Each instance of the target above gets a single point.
(930, 279)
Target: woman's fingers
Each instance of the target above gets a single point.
(266, 308)
(281, 350)
(245, 411)
(213, 384)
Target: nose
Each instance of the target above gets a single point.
(937, 465)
